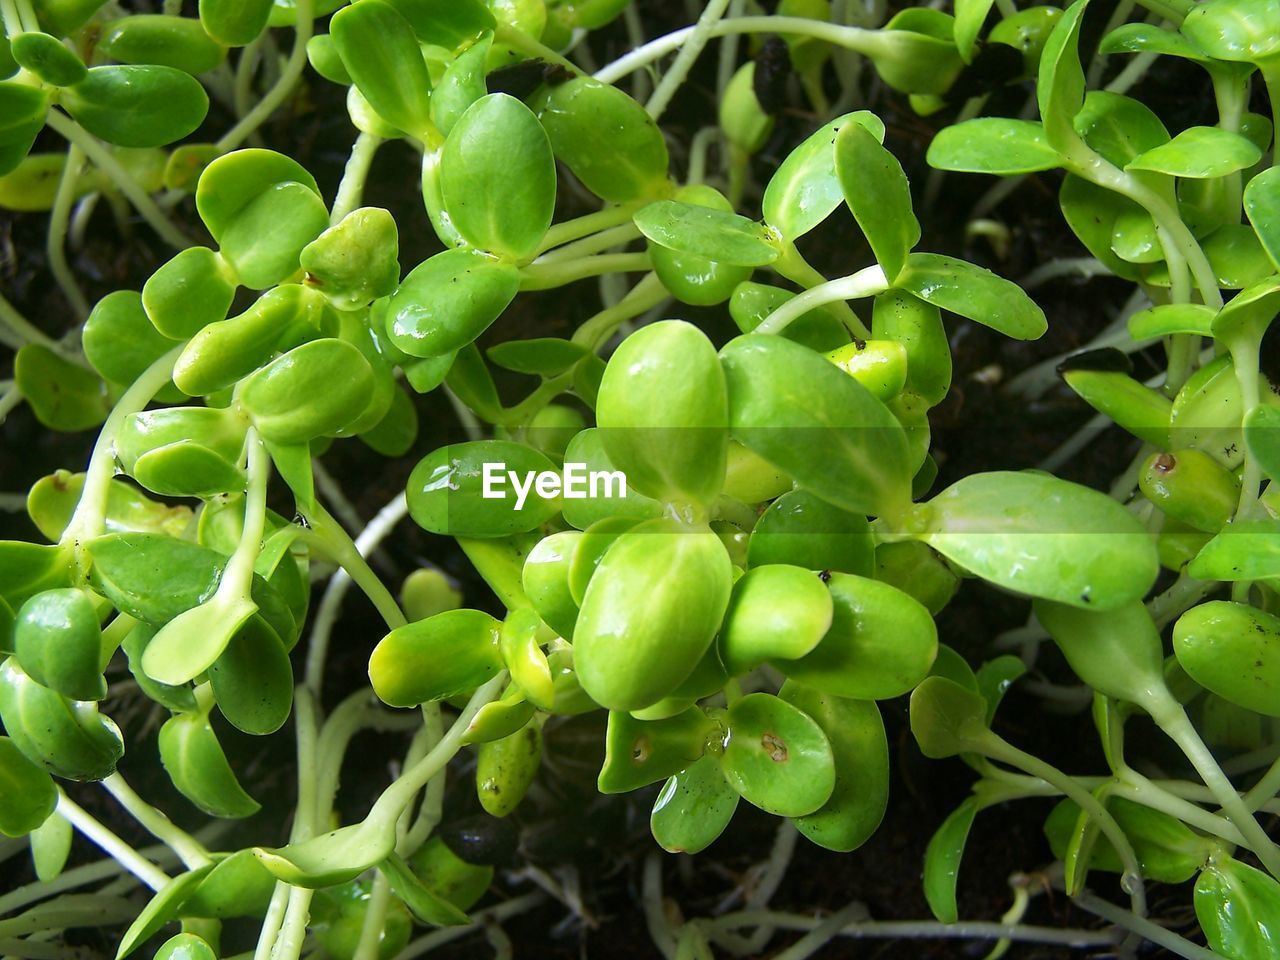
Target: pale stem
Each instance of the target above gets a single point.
(671, 81)
(921, 929)
(350, 554)
(375, 917)
(867, 282)
(401, 793)
(56, 240)
(999, 749)
(104, 160)
(1144, 928)
(276, 910)
(237, 577)
(293, 931)
(495, 914)
(87, 521)
(1179, 729)
(354, 177)
(303, 13)
(125, 855)
(596, 243)
(579, 227)
(645, 295)
(188, 848)
(867, 42)
(551, 275)
(21, 330)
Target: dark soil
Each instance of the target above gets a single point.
(565, 825)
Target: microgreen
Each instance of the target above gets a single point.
(770, 566)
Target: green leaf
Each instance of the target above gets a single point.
(995, 677)
(445, 874)
(462, 84)
(881, 643)
(1060, 87)
(448, 300)
(1171, 318)
(855, 730)
(171, 41)
(1239, 910)
(639, 752)
(48, 59)
(382, 56)
(64, 396)
(68, 738)
(1150, 38)
(693, 808)
(50, 847)
(59, 644)
(155, 578)
(606, 138)
(806, 417)
(445, 655)
(231, 182)
(238, 886)
(22, 109)
(28, 568)
(1230, 649)
(226, 351)
(663, 413)
(197, 766)
(691, 279)
(1133, 405)
(995, 145)
(161, 909)
(704, 232)
(917, 326)
(235, 23)
(877, 192)
(1243, 31)
(545, 579)
(505, 767)
(179, 699)
(946, 718)
(800, 529)
(428, 907)
(446, 490)
(1262, 434)
(942, 860)
(970, 17)
(498, 177)
(193, 289)
(805, 188)
(1117, 652)
(776, 611)
(542, 356)
(1199, 152)
(315, 389)
(446, 23)
(1119, 127)
(331, 858)
(1262, 206)
(27, 793)
(119, 340)
(777, 757)
(185, 946)
(252, 680)
(137, 106)
(973, 292)
(650, 612)
(264, 242)
(1038, 535)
